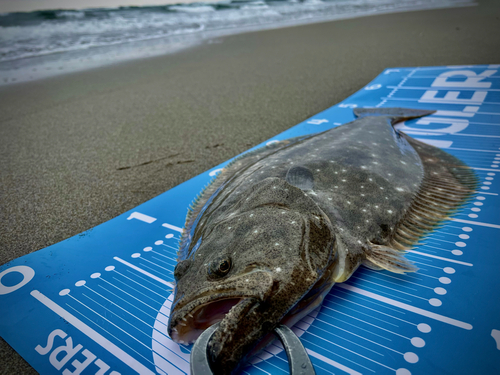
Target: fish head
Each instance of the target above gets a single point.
(251, 263)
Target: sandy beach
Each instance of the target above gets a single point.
(79, 149)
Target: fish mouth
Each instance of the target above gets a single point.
(191, 315)
(187, 328)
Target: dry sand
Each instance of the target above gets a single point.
(66, 141)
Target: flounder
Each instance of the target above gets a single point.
(269, 237)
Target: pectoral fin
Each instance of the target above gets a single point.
(384, 257)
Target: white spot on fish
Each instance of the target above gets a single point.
(402, 162)
(399, 189)
(278, 269)
(389, 211)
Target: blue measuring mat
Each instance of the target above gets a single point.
(98, 303)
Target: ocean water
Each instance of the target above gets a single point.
(38, 44)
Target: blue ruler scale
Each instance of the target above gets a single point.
(99, 302)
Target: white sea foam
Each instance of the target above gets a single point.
(82, 34)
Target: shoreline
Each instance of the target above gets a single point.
(66, 139)
(33, 68)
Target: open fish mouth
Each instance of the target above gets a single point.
(189, 327)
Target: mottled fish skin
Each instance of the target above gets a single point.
(274, 232)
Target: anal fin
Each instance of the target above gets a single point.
(447, 185)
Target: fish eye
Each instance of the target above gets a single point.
(219, 267)
(181, 268)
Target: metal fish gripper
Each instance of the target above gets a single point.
(298, 360)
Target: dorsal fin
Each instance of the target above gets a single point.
(227, 172)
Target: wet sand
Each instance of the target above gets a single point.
(79, 149)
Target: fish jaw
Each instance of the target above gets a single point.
(191, 315)
(237, 334)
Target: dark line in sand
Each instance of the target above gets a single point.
(215, 146)
(153, 161)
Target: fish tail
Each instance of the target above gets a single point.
(394, 114)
